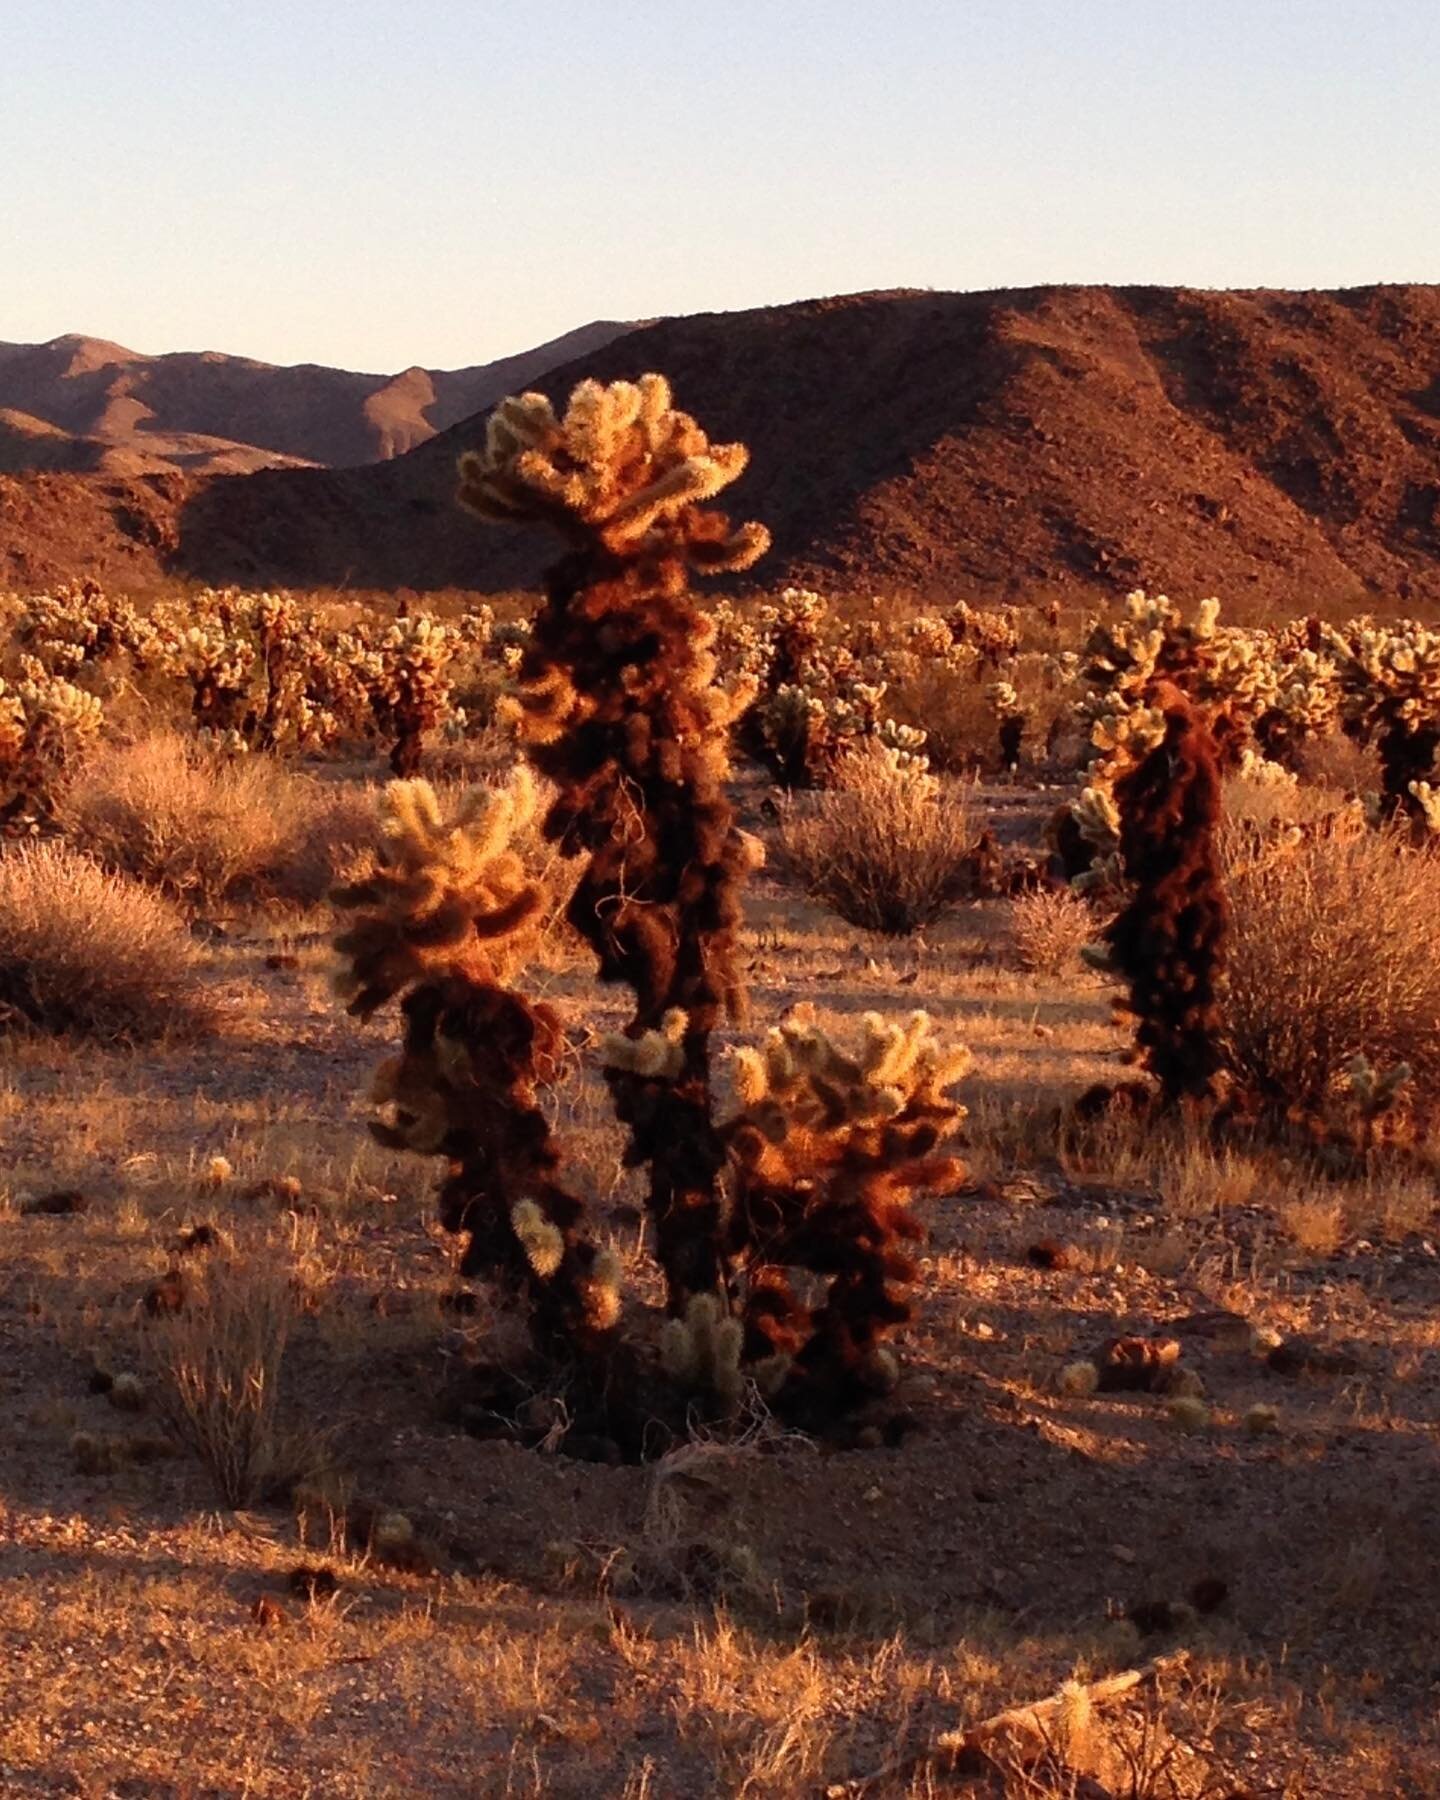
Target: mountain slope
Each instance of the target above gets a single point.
(128, 413)
(1281, 449)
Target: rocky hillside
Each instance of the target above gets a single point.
(1281, 449)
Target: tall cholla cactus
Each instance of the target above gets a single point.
(1169, 941)
(619, 701)
(444, 917)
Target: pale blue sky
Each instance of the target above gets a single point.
(376, 184)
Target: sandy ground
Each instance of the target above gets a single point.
(761, 1616)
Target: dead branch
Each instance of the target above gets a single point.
(1020, 1734)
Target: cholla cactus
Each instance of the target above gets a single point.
(445, 897)
(442, 919)
(701, 1351)
(1169, 941)
(790, 732)
(410, 689)
(1374, 1105)
(1427, 805)
(44, 722)
(1010, 716)
(620, 702)
(827, 1148)
(624, 469)
(994, 635)
(1389, 678)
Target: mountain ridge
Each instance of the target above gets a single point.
(1279, 448)
(208, 412)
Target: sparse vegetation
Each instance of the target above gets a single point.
(216, 1361)
(1051, 926)
(92, 954)
(888, 847)
(1332, 957)
(189, 1230)
(211, 828)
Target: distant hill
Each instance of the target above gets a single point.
(1279, 449)
(85, 405)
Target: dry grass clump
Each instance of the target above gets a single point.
(207, 827)
(1050, 927)
(1333, 955)
(91, 953)
(1262, 805)
(1337, 762)
(954, 711)
(887, 848)
(216, 1366)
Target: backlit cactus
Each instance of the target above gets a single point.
(618, 698)
(827, 1149)
(1168, 942)
(442, 920)
(1389, 679)
(619, 701)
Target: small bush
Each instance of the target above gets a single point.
(1337, 762)
(89, 952)
(1051, 927)
(216, 1372)
(209, 828)
(953, 708)
(887, 848)
(1332, 955)
(1263, 805)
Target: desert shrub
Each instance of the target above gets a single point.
(1264, 803)
(1051, 926)
(1339, 762)
(888, 848)
(954, 708)
(90, 952)
(1332, 956)
(215, 1367)
(208, 828)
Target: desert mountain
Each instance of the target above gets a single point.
(1276, 448)
(86, 405)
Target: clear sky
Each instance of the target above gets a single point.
(374, 183)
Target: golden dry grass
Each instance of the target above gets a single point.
(1333, 955)
(91, 953)
(210, 828)
(885, 848)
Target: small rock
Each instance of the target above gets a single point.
(312, 1581)
(198, 1237)
(59, 1204)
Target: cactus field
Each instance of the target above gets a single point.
(650, 1189)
